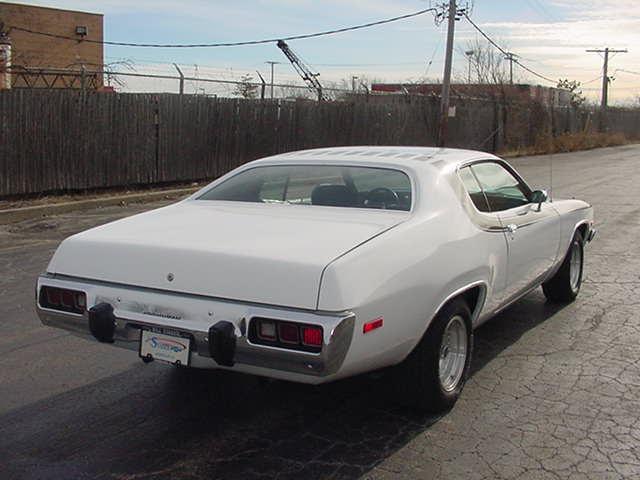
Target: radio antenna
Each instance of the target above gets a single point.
(551, 175)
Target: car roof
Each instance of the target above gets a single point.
(437, 157)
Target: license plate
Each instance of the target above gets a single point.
(168, 348)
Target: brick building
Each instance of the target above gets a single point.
(517, 92)
(40, 61)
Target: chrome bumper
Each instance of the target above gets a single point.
(192, 316)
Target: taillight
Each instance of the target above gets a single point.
(290, 335)
(67, 299)
(53, 295)
(267, 330)
(63, 299)
(312, 336)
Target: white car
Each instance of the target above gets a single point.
(316, 265)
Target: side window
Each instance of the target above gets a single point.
(473, 189)
(273, 188)
(502, 189)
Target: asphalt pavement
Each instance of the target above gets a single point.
(554, 391)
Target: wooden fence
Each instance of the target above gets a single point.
(65, 140)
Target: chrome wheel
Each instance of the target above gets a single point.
(453, 353)
(575, 267)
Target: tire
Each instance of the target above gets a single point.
(564, 286)
(419, 381)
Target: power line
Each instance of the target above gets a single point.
(229, 44)
(535, 73)
(396, 64)
(536, 5)
(593, 80)
(433, 55)
(502, 50)
(626, 71)
(223, 68)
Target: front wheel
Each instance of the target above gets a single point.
(433, 375)
(565, 284)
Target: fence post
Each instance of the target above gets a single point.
(181, 78)
(156, 121)
(83, 78)
(263, 87)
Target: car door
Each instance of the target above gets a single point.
(532, 230)
(492, 238)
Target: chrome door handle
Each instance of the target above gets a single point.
(511, 228)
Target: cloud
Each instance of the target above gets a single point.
(557, 49)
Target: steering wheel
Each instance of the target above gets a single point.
(382, 196)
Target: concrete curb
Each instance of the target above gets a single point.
(25, 213)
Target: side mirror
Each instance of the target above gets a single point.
(539, 196)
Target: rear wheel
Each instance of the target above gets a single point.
(564, 286)
(433, 375)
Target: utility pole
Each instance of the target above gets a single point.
(272, 63)
(511, 57)
(446, 79)
(605, 83)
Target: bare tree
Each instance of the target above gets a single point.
(296, 93)
(573, 86)
(347, 87)
(246, 88)
(488, 64)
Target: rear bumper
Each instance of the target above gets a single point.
(192, 316)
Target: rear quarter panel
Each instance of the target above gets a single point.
(404, 276)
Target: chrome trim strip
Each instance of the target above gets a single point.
(338, 327)
(475, 315)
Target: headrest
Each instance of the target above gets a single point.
(333, 196)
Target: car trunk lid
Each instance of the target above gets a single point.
(261, 253)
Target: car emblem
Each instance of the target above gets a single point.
(170, 277)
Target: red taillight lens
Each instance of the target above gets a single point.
(63, 299)
(53, 296)
(67, 299)
(312, 336)
(267, 330)
(372, 325)
(288, 333)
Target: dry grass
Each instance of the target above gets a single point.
(569, 142)
(62, 197)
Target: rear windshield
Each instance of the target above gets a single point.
(334, 186)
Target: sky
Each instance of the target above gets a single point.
(550, 37)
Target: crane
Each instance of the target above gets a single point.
(303, 70)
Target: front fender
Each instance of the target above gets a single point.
(573, 214)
